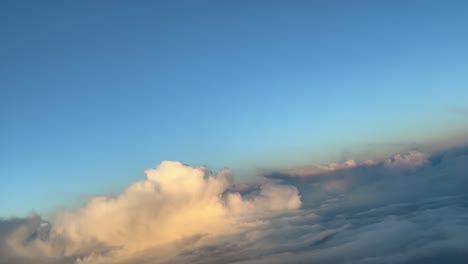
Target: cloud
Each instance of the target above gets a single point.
(409, 208)
(312, 170)
(411, 159)
(175, 203)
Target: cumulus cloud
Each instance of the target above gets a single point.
(175, 203)
(409, 208)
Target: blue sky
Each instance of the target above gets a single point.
(95, 92)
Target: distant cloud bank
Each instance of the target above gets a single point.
(409, 208)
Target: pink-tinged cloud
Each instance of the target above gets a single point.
(312, 170)
(412, 159)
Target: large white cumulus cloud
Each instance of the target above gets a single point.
(175, 203)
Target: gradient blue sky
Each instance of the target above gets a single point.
(95, 92)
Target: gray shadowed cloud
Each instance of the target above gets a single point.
(409, 208)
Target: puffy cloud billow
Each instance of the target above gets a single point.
(176, 208)
(409, 208)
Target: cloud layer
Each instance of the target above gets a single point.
(409, 208)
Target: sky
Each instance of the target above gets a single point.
(92, 93)
(243, 132)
